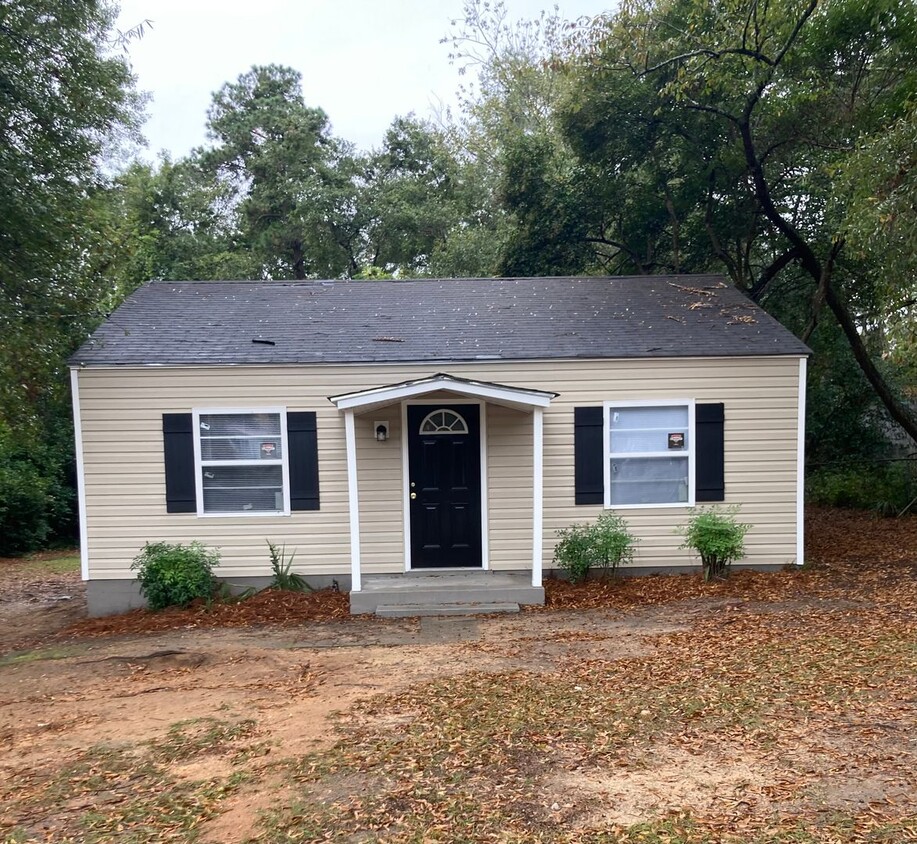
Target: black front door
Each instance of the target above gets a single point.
(444, 457)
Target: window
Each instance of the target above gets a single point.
(650, 454)
(241, 460)
(443, 422)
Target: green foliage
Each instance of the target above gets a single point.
(35, 501)
(282, 568)
(66, 102)
(175, 575)
(23, 508)
(288, 181)
(772, 143)
(888, 489)
(605, 544)
(717, 538)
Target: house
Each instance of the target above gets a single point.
(387, 430)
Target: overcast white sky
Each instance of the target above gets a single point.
(362, 61)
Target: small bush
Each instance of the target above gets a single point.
(604, 544)
(281, 566)
(174, 575)
(718, 539)
(887, 489)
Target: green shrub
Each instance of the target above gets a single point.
(604, 544)
(24, 508)
(887, 489)
(718, 539)
(174, 575)
(281, 566)
(37, 502)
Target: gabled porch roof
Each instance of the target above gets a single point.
(518, 398)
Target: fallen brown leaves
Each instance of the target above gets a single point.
(850, 554)
(784, 711)
(784, 714)
(270, 606)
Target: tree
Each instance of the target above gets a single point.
(286, 174)
(419, 204)
(709, 129)
(65, 102)
(170, 221)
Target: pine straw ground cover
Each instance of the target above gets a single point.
(799, 703)
(850, 550)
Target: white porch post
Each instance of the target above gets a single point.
(351, 437)
(537, 492)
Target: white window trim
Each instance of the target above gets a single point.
(690, 452)
(196, 414)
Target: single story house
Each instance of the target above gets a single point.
(387, 430)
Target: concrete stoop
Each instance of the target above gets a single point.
(411, 610)
(462, 593)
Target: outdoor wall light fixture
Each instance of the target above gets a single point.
(381, 431)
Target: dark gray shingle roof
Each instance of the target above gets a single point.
(243, 322)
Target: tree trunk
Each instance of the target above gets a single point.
(299, 261)
(810, 263)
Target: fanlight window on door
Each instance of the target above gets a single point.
(443, 422)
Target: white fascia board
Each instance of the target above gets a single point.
(512, 397)
(80, 475)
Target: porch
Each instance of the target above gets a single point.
(450, 593)
(452, 500)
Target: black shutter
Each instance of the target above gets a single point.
(709, 471)
(302, 440)
(589, 455)
(178, 445)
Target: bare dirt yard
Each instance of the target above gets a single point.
(772, 708)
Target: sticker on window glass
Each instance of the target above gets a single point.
(268, 449)
(677, 440)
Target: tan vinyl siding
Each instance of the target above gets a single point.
(125, 487)
(381, 488)
(509, 480)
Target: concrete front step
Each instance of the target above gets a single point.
(411, 610)
(437, 589)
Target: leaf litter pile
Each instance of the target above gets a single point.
(270, 606)
(787, 713)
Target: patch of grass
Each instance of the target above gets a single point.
(201, 736)
(46, 562)
(40, 654)
(114, 793)
(56, 565)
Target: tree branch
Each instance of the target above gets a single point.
(895, 409)
(771, 272)
(710, 54)
(818, 300)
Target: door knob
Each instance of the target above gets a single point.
(413, 496)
